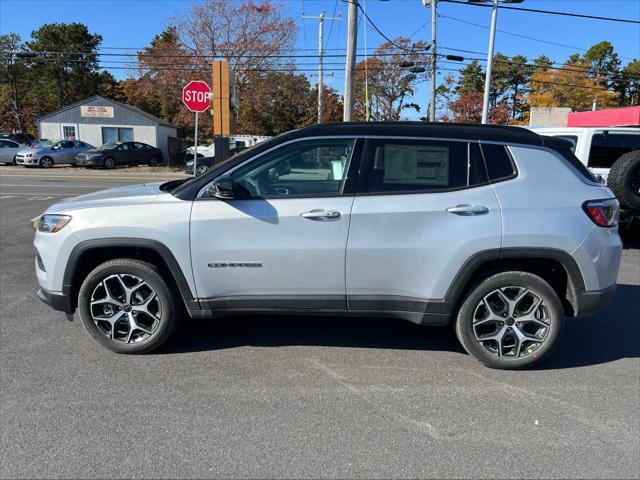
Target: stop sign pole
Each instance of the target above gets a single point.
(197, 97)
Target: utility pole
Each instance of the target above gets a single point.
(350, 67)
(434, 60)
(321, 18)
(487, 80)
(492, 43)
(434, 56)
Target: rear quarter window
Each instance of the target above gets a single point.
(499, 163)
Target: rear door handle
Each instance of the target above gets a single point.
(321, 214)
(467, 210)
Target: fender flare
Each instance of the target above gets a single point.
(158, 247)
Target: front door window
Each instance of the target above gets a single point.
(315, 167)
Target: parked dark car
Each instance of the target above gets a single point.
(22, 138)
(205, 163)
(115, 154)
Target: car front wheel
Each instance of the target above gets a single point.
(511, 320)
(127, 306)
(46, 162)
(153, 162)
(109, 163)
(202, 169)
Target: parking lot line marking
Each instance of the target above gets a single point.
(49, 185)
(39, 194)
(178, 176)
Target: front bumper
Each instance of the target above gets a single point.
(188, 169)
(89, 162)
(57, 301)
(591, 302)
(27, 160)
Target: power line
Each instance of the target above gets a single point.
(523, 36)
(549, 12)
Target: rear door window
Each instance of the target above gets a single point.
(422, 166)
(607, 147)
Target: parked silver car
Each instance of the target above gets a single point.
(495, 229)
(52, 152)
(8, 151)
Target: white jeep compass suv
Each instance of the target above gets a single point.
(431, 223)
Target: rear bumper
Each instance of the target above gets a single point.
(57, 301)
(591, 302)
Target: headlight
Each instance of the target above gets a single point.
(30, 155)
(190, 163)
(51, 223)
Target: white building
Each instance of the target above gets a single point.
(97, 120)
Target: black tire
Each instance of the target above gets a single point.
(109, 163)
(15, 161)
(153, 162)
(551, 308)
(46, 162)
(169, 318)
(624, 179)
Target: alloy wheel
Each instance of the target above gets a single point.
(46, 163)
(125, 308)
(511, 322)
(202, 169)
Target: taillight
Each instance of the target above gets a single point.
(604, 213)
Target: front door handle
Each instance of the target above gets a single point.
(322, 215)
(467, 210)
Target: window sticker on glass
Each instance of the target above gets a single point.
(421, 165)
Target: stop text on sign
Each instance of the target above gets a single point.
(196, 96)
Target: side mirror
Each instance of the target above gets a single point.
(222, 188)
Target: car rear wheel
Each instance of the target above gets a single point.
(153, 161)
(109, 163)
(46, 162)
(511, 320)
(127, 306)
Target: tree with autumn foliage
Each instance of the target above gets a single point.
(569, 87)
(390, 85)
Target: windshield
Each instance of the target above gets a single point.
(47, 144)
(108, 146)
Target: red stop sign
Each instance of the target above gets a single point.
(197, 96)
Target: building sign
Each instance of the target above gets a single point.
(96, 112)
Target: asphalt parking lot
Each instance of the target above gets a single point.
(256, 396)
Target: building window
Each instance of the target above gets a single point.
(117, 134)
(69, 132)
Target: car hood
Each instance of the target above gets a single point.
(33, 150)
(127, 195)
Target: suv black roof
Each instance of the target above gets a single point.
(496, 133)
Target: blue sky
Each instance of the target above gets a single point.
(133, 23)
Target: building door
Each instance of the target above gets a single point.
(69, 131)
